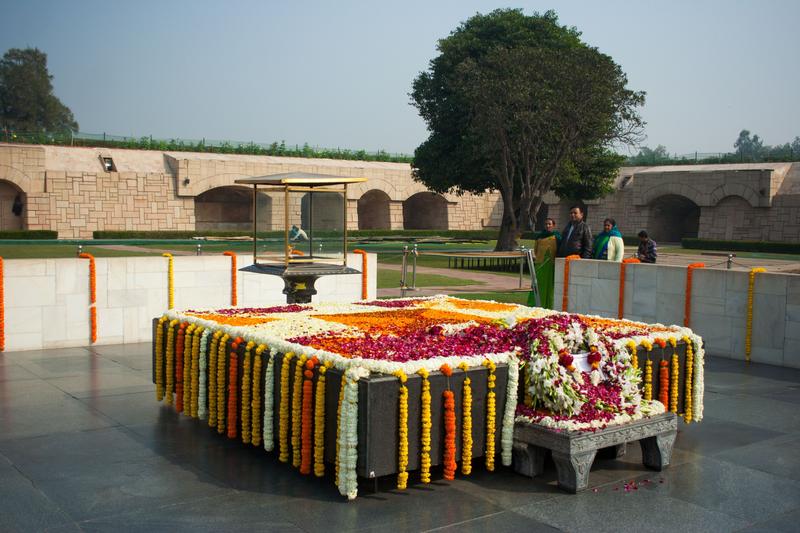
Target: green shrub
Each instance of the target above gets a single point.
(353, 234)
(742, 246)
(33, 234)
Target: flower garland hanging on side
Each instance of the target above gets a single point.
(179, 358)
(491, 414)
(402, 432)
(307, 420)
(170, 364)
(202, 394)
(297, 410)
(687, 387)
(92, 295)
(425, 428)
(663, 376)
(507, 431)
(187, 369)
(213, 353)
(648, 371)
(449, 456)
(234, 298)
(256, 432)
(687, 306)
(246, 389)
(565, 297)
(364, 283)
(348, 443)
(674, 373)
(269, 401)
(748, 339)
(221, 392)
(339, 428)
(466, 427)
(233, 388)
(159, 355)
(283, 416)
(319, 422)
(194, 396)
(622, 265)
(170, 280)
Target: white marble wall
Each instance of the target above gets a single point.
(657, 294)
(47, 300)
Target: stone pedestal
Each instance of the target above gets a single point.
(574, 451)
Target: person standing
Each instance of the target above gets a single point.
(544, 249)
(647, 251)
(577, 237)
(608, 245)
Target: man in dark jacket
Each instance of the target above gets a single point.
(647, 252)
(576, 239)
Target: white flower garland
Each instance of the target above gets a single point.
(348, 434)
(268, 429)
(202, 397)
(507, 432)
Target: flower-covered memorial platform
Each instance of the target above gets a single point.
(374, 388)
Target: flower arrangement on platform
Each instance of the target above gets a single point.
(580, 374)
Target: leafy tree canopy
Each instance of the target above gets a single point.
(650, 156)
(509, 101)
(749, 146)
(589, 174)
(27, 102)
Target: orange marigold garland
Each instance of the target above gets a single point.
(212, 379)
(234, 298)
(402, 432)
(92, 295)
(491, 414)
(170, 365)
(466, 427)
(179, 349)
(246, 404)
(663, 376)
(675, 372)
(319, 422)
(364, 284)
(221, 351)
(255, 397)
(449, 457)
(307, 420)
(233, 388)
(565, 297)
(159, 370)
(687, 305)
(297, 409)
(621, 305)
(425, 428)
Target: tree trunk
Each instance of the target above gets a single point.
(507, 239)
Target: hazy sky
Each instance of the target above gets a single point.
(338, 73)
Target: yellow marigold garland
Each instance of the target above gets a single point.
(170, 361)
(246, 435)
(297, 410)
(187, 369)
(674, 374)
(222, 350)
(319, 422)
(648, 371)
(212, 379)
(402, 432)
(283, 419)
(195, 372)
(255, 398)
(689, 372)
(170, 280)
(466, 428)
(425, 428)
(634, 358)
(160, 358)
(339, 426)
(748, 339)
(491, 414)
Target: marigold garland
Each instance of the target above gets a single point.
(188, 341)
(195, 372)
(687, 306)
(179, 357)
(748, 339)
(268, 426)
(689, 375)
(202, 384)
(364, 283)
(234, 298)
(402, 432)
(425, 428)
(319, 422)
(648, 371)
(675, 372)
(170, 280)
(339, 426)
(159, 370)
(233, 388)
(255, 397)
(297, 409)
(246, 404)
(466, 427)
(449, 456)
(92, 295)
(212, 378)
(491, 414)
(307, 420)
(221, 351)
(634, 357)
(283, 417)
(565, 297)
(170, 370)
(3, 309)
(621, 305)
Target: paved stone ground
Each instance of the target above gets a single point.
(85, 447)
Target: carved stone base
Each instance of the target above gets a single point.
(574, 451)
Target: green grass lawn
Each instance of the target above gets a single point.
(390, 279)
(38, 251)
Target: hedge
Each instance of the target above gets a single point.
(629, 240)
(33, 234)
(742, 246)
(352, 234)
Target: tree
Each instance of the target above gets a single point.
(649, 156)
(27, 102)
(748, 147)
(509, 100)
(588, 175)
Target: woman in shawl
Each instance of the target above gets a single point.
(608, 245)
(544, 250)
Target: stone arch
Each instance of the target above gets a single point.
(13, 206)
(13, 175)
(425, 210)
(326, 209)
(673, 189)
(735, 189)
(673, 217)
(373, 210)
(198, 186)
(230, 208)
